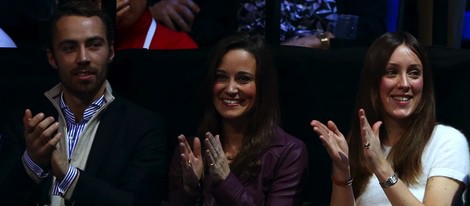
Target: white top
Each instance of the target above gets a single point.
(446, 154)
(5, 40)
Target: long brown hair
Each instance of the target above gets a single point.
(405, 156)
(262, 118)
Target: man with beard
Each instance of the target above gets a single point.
(89, 147)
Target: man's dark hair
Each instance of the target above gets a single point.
(86, 8)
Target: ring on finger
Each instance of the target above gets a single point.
(367, 145)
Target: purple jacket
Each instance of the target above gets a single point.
(283, 168)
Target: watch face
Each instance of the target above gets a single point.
(390, 181)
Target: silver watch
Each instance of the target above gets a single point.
(390, 181)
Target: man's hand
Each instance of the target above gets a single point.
(311, 41)
(59, 164)
(41, 137)
(175, 14)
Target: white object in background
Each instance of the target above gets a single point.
(5, 40)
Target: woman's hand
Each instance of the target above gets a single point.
(371, 142)
(191, 161)
(216, 161)
(336, 146)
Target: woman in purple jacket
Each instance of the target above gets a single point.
(250, 160)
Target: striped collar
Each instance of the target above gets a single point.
(87, 114)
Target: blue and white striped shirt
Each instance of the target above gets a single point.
(74, 129)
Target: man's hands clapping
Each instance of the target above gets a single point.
(41, 137)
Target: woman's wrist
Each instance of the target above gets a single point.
(341, 177)
(384, 171)
(342, 182)
(340, 171)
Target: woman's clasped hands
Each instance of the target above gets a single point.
(194, 163)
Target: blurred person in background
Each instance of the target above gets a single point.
(135, 28)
